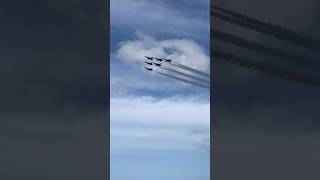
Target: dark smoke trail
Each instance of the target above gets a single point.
(265, 50)
(190, 69)
(183, 80)
(268, 29)
(184, 74)
(267, 68)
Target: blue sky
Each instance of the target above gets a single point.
(152, 136)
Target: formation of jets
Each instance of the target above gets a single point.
(153, 63)
(158, 59)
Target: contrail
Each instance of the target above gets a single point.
(189, 69)
(265, 50)
(184, 74)
(267, 68)
(265, 28)
(183, 80)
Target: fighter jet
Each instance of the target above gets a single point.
(149, 58)
(157, 64)
(149, 63)
(167, 60)
(159, 59)
(148, 69)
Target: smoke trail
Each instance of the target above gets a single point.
(265, 50)
(268, 29)
(267, 68)
(189, 69)
(183, 80)
(184, 74)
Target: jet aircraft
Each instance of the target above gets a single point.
(157, 64)
(149, 69)
(149, 63)
(159, 59)
(149, 58)
(167, 60)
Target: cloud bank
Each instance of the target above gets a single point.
(169, 124)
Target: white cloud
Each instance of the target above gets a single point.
(128, 73)
(168, 124)
(184, 51)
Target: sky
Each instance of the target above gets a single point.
(159, 127)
